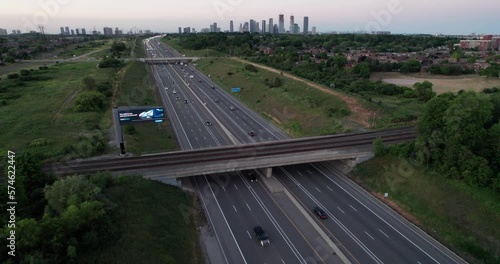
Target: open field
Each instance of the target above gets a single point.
(464, 218)
(43, 110)
(296, 107)
(441, 83)
(15, 67)
(174, 43)
(154, 225)
(136, 88)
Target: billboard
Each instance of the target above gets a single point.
(140, 115)
(236, 90)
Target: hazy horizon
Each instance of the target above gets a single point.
(397, 16)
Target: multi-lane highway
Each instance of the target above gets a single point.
(364, 229)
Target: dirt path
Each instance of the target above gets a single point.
(359, 114)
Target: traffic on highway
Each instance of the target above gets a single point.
(307, 213)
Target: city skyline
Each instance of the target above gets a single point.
(397, 16)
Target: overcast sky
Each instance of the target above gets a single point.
(397, 16)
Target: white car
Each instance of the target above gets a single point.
(174, 92)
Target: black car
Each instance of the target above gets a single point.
(209, 123)
(186, 101)
(261, 235)
(251, 177)
(251, 133)
(320, 213)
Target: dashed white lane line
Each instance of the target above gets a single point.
(369, 235)
(329, 188)
(249, 235)
(235, 209)
(309, 172)
(383, 233)
(340, 210)
(353, 208)
(235, 186)
(317, 189)
(248, 207)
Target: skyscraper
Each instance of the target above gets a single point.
(77, 31)
(306, 25)
(263, 27)
(281, 24)
(292, 25)
(241, 28)
(84, 32)
(62, 30)
(215, 26)
(252, 26)
(271, 26)
(72, 32)
(180, 30)
(231, 26)
(107, 31)
(66, 31)
(245, 27)
(313, 30)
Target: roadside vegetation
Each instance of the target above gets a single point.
(297, 108)
(136, 88)
(98, 219)
(449, 178)
(207, 52)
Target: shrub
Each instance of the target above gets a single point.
(251, 68)
(13, 76)
(89, 102)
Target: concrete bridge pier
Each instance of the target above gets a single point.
(268, 172)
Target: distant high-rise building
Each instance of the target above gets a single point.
(252, 26)
(271, 26)
(72, 32)
(107, 31)
(66, 31)
(62, 30)
(313, 30)
(281, 24)
(231, 26)
(84, 32)
(13, 31)
(296, 28)
(187, 30)
(306, 25)
(3, 31)
(292, 24)
(18, 32)
(245, 27)
(257, 27)
(212, 28)
(263, 27)
(77, 31)
(215, 27)
(275, 29)
(241, 28)
(180, 30)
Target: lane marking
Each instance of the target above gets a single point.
(248, 207)
(235, 208)
(317, 189)
(329, 188)
(340, 210)
(383, 233)
(353, 208)
(369, 235)
(309, 172)
(235, 186)
(249, 235)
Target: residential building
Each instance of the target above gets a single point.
(3, 31)
(292, 24)
(314, 30)
(62, 30)
(18, 32)
(245, 27)
(275, 29)
(180, 30)
(84, 32)
(187, 30)
(252, 26)
(77, 31)
(66, 31)
(306, 25)
(263, 26)
(231, 26)
(271, 26)
(72, 32)
(215, 27)
(295, 29)
(281, 24)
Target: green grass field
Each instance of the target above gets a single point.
(154, 224)
(43, 109)
(136, 89)
(297, 108)
(464, 218)
(174, 43)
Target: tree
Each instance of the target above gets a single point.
(90, 102)
(89, 83)
(424, 91)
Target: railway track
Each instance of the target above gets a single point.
(230, 153)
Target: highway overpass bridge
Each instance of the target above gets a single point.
(167, 60)
(264, 155)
